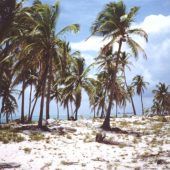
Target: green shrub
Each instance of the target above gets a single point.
(36, 136)
(8, 135)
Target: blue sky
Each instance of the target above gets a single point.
(153, 17)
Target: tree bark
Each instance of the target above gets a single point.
(49, 89)
(32, 111)
(30, 98)
(142, 104)
(106, 123)
(76, 113)
(57, 111)
(41, 106)
(131, 98)
(116, 109)
(23, 100)
(42, 97)
(68, 114)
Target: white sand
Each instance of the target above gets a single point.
(79, 151)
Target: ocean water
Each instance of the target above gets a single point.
(62, 116)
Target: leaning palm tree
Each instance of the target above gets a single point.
(140, 85)
(114, 23)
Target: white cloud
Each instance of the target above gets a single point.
(156, 24)
(94, 44)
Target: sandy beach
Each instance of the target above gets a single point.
(78, 150)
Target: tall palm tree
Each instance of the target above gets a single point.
(140, 85)
(47, 43)
(124, 62)
(78, 80)
(114, 23)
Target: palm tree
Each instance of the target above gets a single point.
(140, 85)
(124, 61)
(78, 80)
(9, 104)
(47, 44)
(161, 96)
(114, 24)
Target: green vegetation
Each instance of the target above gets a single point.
(7, 136)
(37, 136)
(27, 150)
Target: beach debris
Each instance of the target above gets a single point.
(101, 138)
(9, 165)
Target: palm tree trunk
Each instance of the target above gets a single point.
(116, 109)
(7, 116)
(106, 123)
(94, 116)
(30, 98)
(124, 110)
(142, 103)
(41, 106)
(32, 111)
(103, 105)
(49, 89)
(42, 98)
(57, 111)
(131, 98)
(23, 100)
(76, 113)
(71, 108)
(133, 105)
(68, 112)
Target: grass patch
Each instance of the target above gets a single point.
(68, 163)
(88, 138)
(161, 119)
(37, 136)
(27, 150)
(124, 124)
(7, 135)
(139, 123)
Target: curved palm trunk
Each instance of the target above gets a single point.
(30, 98)
(106, 123)
(23, 100)
(49, 89)
(76, 113)
(142, 103)
(131, 98)
(133, 105)
(32, 111)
